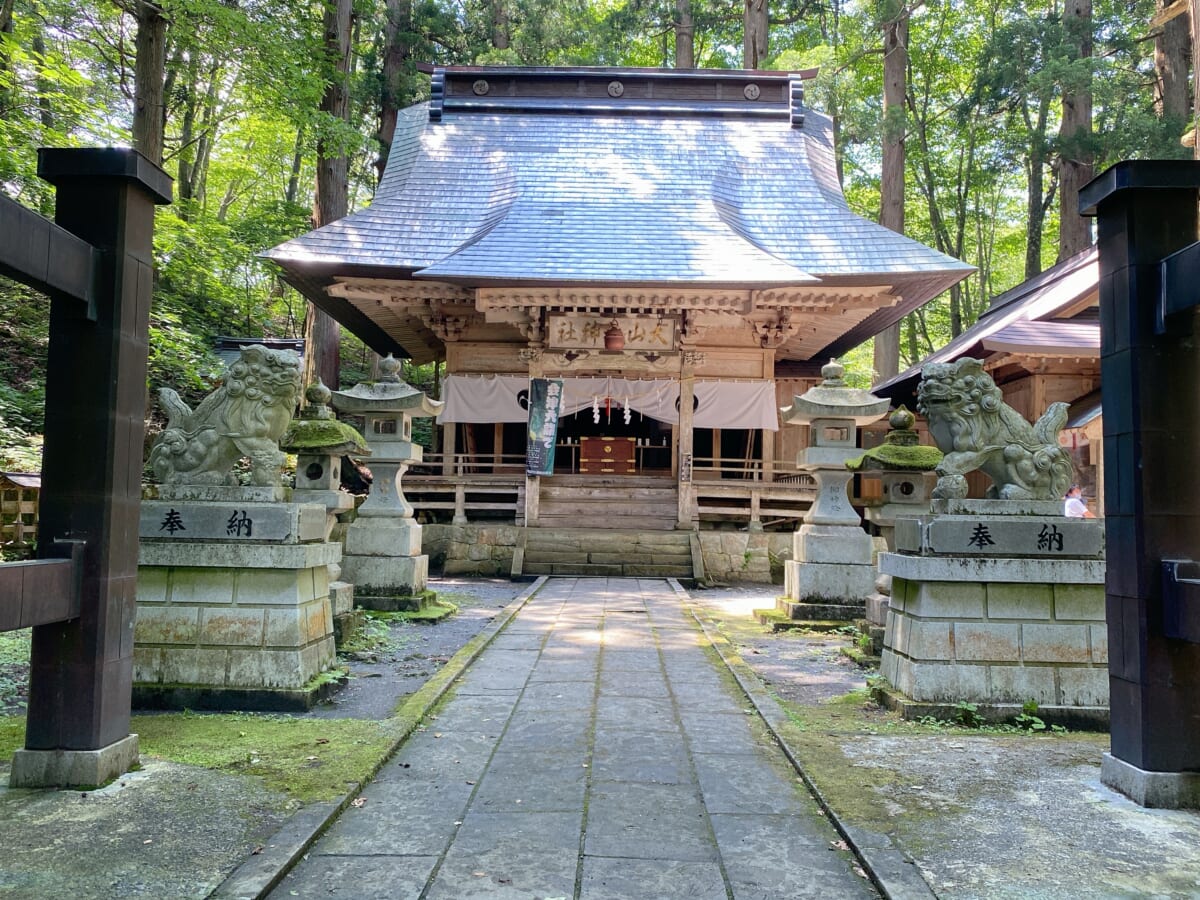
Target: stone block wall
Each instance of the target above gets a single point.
(484, 550)
(746, 555)
(988, 642)
(487, 550)
(232, 628)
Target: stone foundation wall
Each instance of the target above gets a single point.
(745, 555)
(232, 628)
(485, 550)
(949, 642)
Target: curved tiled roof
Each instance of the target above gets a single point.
(546, 178)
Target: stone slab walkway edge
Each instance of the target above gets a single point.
(890, 869)
(259, 874)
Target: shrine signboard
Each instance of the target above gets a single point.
(587, 332)
(545, 401)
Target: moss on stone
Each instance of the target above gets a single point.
(330, 435)
(892, 456)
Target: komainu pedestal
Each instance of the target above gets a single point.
(233, 582)
(233, 602)
(998, 603)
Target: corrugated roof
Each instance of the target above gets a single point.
(498, 188)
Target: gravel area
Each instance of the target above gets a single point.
(411, 653)
(801, 667)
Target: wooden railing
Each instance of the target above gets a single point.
(652, 459)
(723, 468)
(493, 496)
(457, 464)
(757, 504)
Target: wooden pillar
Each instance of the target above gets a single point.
(497, 445)
(1150, 370)
(460, 505)
(449, 447)
(82, 670)
(768, 455)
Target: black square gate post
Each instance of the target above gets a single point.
(82, 670)
(1150, 373)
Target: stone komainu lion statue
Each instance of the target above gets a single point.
(976, 429)
(245, 416)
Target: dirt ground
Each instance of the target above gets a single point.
(407, 654)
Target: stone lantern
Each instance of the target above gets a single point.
(383, 545)
(320, 441)
(832, 554)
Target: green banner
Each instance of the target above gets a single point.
(545, 398)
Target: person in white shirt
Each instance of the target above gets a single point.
(1075, 507)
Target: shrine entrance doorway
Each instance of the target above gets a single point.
(602, 442)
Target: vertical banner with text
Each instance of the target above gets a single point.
(545, 398)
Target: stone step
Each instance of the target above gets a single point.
(534, 568)
(592, 551)
(606, 555)
(805, 610)
(776, 621)
(627, 570)
(578, 519)
(603, 540)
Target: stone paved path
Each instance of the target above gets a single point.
(593, 751)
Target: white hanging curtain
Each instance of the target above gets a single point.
(487, 398)
(736, 404)
(718, 404)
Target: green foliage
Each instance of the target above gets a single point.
(967, 715)
(14, 668)
(244, 83)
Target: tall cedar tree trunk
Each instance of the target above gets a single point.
(397, 49)
(891, 205)
(1037, 204)
(1076, 160)
(187, 137)
(1172, 48)
(500, 39)
(333, 185)
(1195, 17)
(293, 185)
(685, 35)
(6, 27)
(149, 112)
(754, 35)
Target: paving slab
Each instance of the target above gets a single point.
(593, 750)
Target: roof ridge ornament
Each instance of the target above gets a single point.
(796, 92)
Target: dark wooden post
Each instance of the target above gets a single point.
(1150, 371)
(82, 670)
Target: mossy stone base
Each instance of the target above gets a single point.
(778, 621)
(181, 697)
(347, 626)
(414, 603)
(1075, 718)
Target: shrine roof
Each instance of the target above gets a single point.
(1037, 317)
(617, 176)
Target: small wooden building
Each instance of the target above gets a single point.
(1040, 342)
(19, 492)
(673, 245)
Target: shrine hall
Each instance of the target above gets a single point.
(672, 247)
